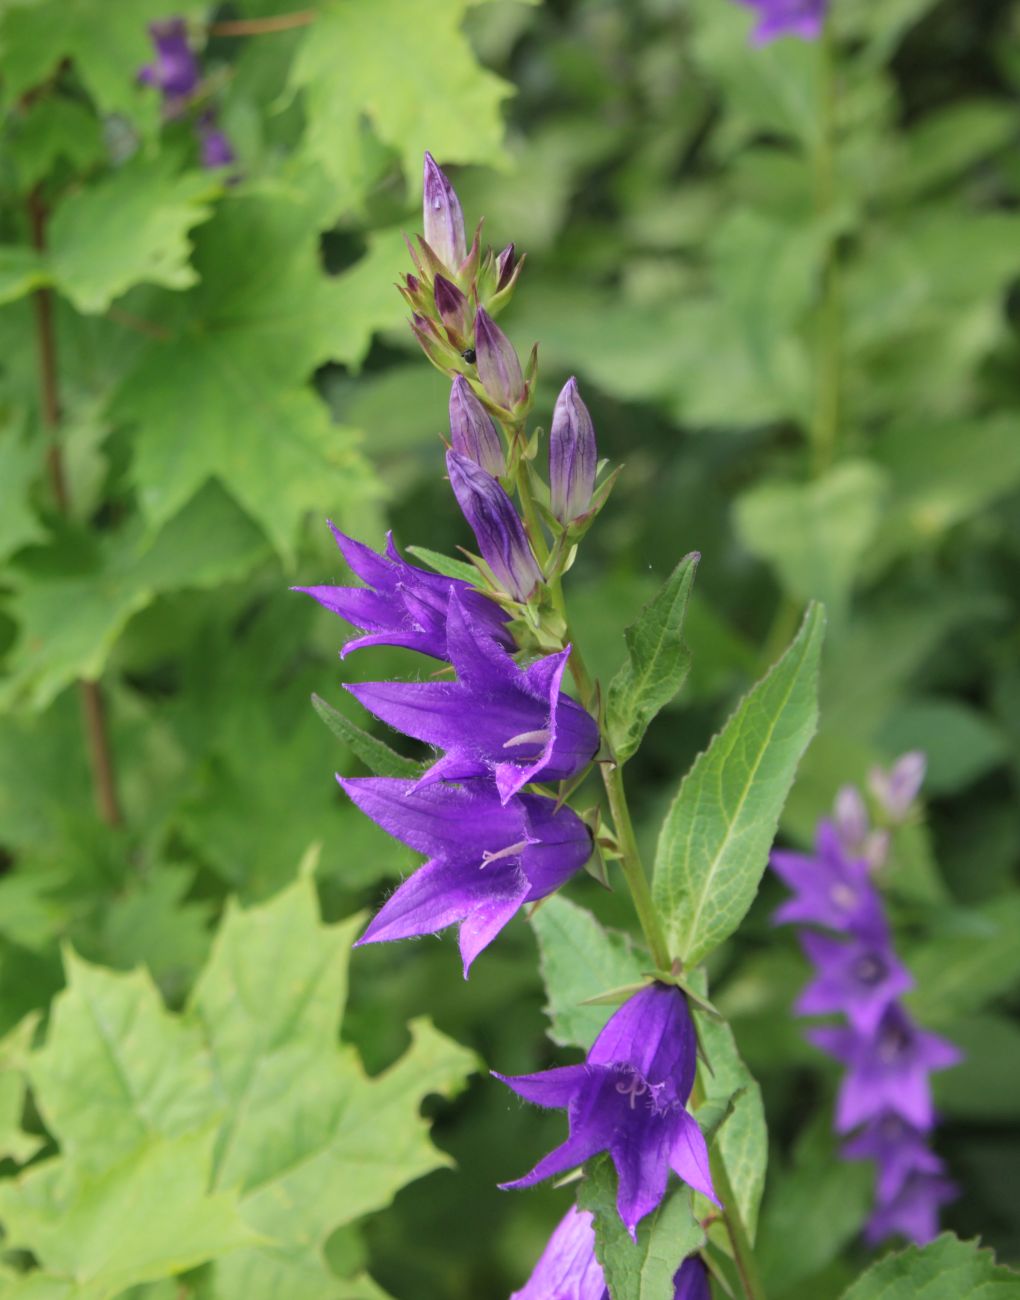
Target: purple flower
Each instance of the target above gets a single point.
(485, 858)
(497, 719)
(628, 1098)
(214, 148)
(831, 888)
(472, 432)
(175, 71)
(454, 311)
(442, 217)
(402, 605)
(494, 521)
(914, 1212)
(887, 1070)
(898, 1150)
(691, 1280)
(498, 366)
(804, 18)
(897, 789)
(567, 1268)
(860, 978)
(573, 457)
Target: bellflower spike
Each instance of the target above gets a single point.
(500, 534)
(472, 432)
(402, 605)
(803, 18)
(860, 978)
(897, 789)
(628, 1098)
(573, 457)
(914, 1212)
(498, 366)
(886, 1071)
(442, 217)
(175, 72)
(567, 1268)
(831, 888)
(496, 719)
(485, 858)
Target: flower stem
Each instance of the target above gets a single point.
(632, 866)
(263, 26)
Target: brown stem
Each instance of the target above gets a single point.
(93, 712)
(263, 26)
(137, 323)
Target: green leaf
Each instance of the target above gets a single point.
(374, 753)
(961, 742)
(22, 270)
(579, 960)
(975, 960)
(15, 1144)
(443, 564)
(20, 464)
(147, 1216)
(947, 1269)
(208, 542)
(982, 1087)
(715, 839)
(641, 1270)
(51, 128)
(657, 661)
(409, 70)
(814, 534)
(130, 228)
(232, 368)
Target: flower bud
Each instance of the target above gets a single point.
(442, 217)
(433, 342)
(493, 519)
(498, 366)
(572, 456)
(897, 789)
(454, 311)
(472, 432)
(505, 264)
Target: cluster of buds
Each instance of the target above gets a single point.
(175, 74)
(885, 1093)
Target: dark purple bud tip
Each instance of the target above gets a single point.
(573, 456)
(505, 267)
(453, 308)
(442, 218)
(501, 537)
(498, 366)
(472, 431)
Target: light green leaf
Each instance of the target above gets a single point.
(961, 743)
(947, 1269)
(51, 128)
(145, 1217)
(657, 663)
(117, 1069)
(714, 842)
(15, 1144)
(975, 960)
(580, 960)
(129, 228)
(20, 464)
(208, 542)
(443, 564)
(642, 1270)
(814, 534)
(406, 66)
(374, 753)
(22, 269)
(982, 1087)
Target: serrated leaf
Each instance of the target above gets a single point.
(946, 1269)
(374, 753)
(232, 367)
(208, 542)
(641, 1270)
(714, 842)
(443, 564)
(406, 66)
(20, 465)
(129, 228)
(579, 960)
(658, 661)
(48, 129)
(15, 1144)
(148, 1216)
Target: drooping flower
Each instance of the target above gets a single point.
(629, 1098)
(515, 724)
(402, 605)
(485, 858)
(832, 888)
(442, 216)
(175, 71)
(472, 431)
(859, 977)
(499, 368)
(803, 18)
(898, 1150)
(887, 1070)
(500, 534)
(914, 1212)
(573, 457)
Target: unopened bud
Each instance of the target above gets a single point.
(498, 366)
(505, 267)
(495, 523)
(442, 217)
(897, 789)
(573, 457)
(454, 311)
(472, 432)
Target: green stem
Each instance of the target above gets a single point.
(632, 867)
(825, 423)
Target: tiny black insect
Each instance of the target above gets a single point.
(469, 356)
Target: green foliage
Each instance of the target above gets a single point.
(374, 753)
(946, 1268)
(714, 842)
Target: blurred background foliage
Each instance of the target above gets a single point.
(787, 280)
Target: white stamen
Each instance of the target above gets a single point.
(510, 851)
(633, 1088)
(528, 738)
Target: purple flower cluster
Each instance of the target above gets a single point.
(568, 1269)
(175, 74)
(803, 18)
(885, 1093)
